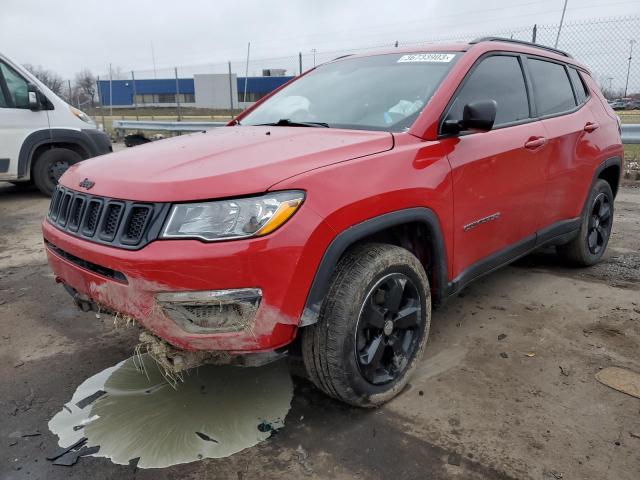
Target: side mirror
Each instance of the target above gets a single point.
(479, 115)
(34, 98)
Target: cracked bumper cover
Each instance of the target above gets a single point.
(281, 266)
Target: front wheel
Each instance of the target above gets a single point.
(589, 245)
(373, 326)
(50, 166)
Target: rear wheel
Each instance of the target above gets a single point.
(373, 326)
(50, 166)
(597, 220)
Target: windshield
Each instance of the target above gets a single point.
(382, 92)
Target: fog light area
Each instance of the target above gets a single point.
(211, 311)
(130, 412)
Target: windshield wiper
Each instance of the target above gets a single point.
(285, 122)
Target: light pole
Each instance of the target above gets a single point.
(564, 9)
(610, 79)
(626, 84)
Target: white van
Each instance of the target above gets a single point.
(40, 134)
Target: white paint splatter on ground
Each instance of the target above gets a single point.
(216, 412)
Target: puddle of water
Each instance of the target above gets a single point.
(216, 412)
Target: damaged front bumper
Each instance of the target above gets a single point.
(241, 296)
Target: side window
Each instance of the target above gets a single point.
(498, 78)
(17, 86)
(3, 102)
(578, 84)
(551, 86)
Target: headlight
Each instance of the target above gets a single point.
(237, 218)
(81, 115)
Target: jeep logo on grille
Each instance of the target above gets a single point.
(86, 183)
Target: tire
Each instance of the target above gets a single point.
(50, 166)
(335, 349)
(589, 245)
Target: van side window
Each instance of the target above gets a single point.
(578, 84)
(3, 102)
(498, 78)
(18, 88)
(551, 86)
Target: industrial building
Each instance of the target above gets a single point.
(201, 91)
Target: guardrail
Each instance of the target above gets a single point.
(166, 126)
(630, 132)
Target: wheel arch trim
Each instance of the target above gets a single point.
(51, 137)
(609, 162)
(357, 232)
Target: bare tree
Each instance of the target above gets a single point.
(85, 87)
(51, 79)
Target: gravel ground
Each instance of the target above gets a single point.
(506, 388)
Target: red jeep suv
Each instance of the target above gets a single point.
(341, 208)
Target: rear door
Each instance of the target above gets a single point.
(561, 104)
(498, 176)
(17, 121)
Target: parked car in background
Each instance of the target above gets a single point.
(331, 216)
(618, 104)
(633, 104)
(40, 134)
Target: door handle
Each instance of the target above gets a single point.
(591, 126)
(535, 142)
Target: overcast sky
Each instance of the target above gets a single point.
(66, 36)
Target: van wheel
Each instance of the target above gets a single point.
(373, 326)
(50, 166)
(597, 219)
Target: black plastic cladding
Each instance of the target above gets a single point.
(117, 223)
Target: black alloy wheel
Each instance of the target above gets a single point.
(599, 224)
(388, 326)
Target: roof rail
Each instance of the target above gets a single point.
(520, 42)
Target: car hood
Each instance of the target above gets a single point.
(221, 162)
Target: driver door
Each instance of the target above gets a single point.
(17, 121)
(499, 175)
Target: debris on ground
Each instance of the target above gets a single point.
(303, 460)
(555, 474)
(563, 371)
(174, 362)
(502, 336)
(504, 355)
(454, 459)
(621, 379)
(90, 399)
(530, 354)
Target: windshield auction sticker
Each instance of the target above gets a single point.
(427, 57)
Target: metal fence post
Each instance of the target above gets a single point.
(246, 75)
(300, 62)
(110, 91)
(104, 128)
(534, 34)
(135, 94)
(178, 94)
(626, 83)
(231, 92)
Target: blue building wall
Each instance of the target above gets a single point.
(123, 89)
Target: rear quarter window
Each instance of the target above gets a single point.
(551, 86)
(578, 84)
